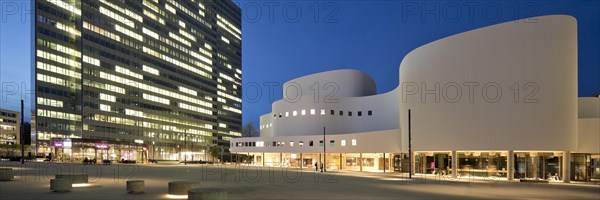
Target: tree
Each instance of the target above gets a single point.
(215, 151)
(250, 131)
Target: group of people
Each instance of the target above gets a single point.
(317, 166)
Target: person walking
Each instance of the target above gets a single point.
(316, 166)
(321, 166)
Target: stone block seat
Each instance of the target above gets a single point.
(135, 186)
(60, 185)
(6, 174)
(182, 187)
(207, 194)
(73, 178)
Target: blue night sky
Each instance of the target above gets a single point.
(371, 36)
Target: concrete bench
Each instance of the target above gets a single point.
(135, 186)
(533, 181)
(73, 177)
(6, 174)
(60, 185)
(207, 194)
(182, 187)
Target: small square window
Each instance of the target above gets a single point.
(321, 143)
(312, 111)
(287, 114)
(303, 112)
(322, 111)
(341, 113)
(350, 113)
(331, 142)
(310, 143)
(301, 143)
(343, 143)
(291, 144)
(275, 116)
(353, 142)
(370, 112)
(332, 112)
(359, 113)
(294, 113)
(279, 115)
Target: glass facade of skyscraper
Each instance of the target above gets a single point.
(136, 80)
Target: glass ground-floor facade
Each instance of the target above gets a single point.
(75, 150)
(528, 165)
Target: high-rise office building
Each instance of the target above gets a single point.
(10, 124)
(136, 79)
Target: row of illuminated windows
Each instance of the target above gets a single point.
(10, 121)
(57, 58)
(156, 99)
(91, 60)
(269, 125)
(187, 90)
(176, 62)
(58, 47)
(150, 70)
(131, 122)
(187, 35)
(57, 81)
(50, 102)
(117, 17)
(180, 39)
(290, 143)
(124, 11)
(128, 72)
(58, 115)
(223, 23)
(129, 33)
(154, 17)
(153, 89)
(104, 86)
(176, 54)
(66, 6)
(232, 109)
(323, 112)
(195, 108)
(229, 96)
(101, 31)
(141, 114)
(58, 70)
(108, 97)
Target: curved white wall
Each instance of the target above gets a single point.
(342, 83)
(542, 53)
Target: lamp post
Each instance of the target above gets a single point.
(409, 147)
(324, 151)
(22, 138)
(185, 147)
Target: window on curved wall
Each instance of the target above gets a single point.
(343, 143)
(331, 142)
(287, 114)
(353, 142)
(322, 111)
(359, 113)
(312, 111)
(370, 113)
(341, 113)
(310, 143)
(279, 115)
(320, 143)
(303, 112)
(332, 112)
(301, 143)
(294, 113)
(350, 113)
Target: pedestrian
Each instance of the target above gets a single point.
(316, 166)
(321, 166)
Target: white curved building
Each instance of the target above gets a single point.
(495, 101)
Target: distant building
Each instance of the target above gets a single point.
(10, 123)
(495, 102)
(136, 80)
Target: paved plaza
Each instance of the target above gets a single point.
(242, 182)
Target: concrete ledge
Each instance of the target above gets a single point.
(73, 177)
(60, 185)
(207, 194)
(182, 187)
(6, 174)
(135, 186)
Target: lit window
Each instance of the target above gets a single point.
(321, 143)
(104, 107)
(343, 143)
(312, 111)
(353, 142)
(303, 112)
(301, 143)
(331, 142)
(291, 144)
(294, 113)
(322, 111)
(287, 114)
